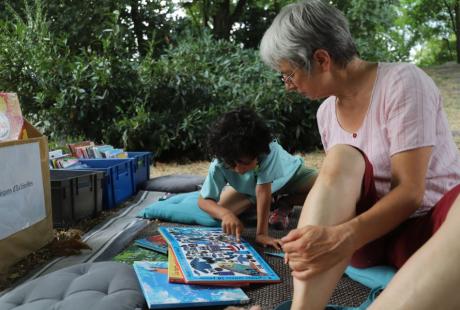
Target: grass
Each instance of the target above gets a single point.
(447, 77)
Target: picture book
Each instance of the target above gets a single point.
(175, 274)
(11, 121)
(135, 253)
(79, 149)
(87, 149)
(99, 151)
(160, 294)
(64, 161)
(55, 154)
(115, 153)
(155, 243)
(209, 256)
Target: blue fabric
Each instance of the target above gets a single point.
(376, 278)
(181, 208)
(277, 167)
(372, 277)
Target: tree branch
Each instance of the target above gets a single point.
(451, 15)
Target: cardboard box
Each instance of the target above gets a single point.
(25, 197)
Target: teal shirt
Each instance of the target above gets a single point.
(276, 167)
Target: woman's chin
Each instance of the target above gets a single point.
(310, 97)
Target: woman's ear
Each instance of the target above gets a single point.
(323, 58)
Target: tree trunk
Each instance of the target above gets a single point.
(205, 11)
(137, 22)
(457, 26)
(223, 19)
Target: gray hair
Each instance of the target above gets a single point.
(303, 27)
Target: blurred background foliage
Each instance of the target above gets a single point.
(152, 75)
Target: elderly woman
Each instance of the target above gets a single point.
(387, 190)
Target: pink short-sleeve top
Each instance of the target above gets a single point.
(405, 113)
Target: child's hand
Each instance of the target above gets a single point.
(267, 240)
(232, 225)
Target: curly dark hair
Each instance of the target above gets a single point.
(240, 133)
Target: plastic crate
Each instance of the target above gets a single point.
(75, 195)
(141, 162)
(118, 182)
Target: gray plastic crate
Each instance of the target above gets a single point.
(75, 195)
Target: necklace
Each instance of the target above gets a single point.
(353, 134)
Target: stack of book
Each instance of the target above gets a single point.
(58, 159)
(207, 264)
(161, 294)
(84, 149)
(87, 149)
(202, 255)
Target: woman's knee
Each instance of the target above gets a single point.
(343, 161)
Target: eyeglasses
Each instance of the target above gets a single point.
(287, 79)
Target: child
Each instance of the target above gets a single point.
(255, 166)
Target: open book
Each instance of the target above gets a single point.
(208, 256)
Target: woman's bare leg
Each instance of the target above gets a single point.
(430, 279)
(332, 200)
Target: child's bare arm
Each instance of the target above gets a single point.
(230, 222)
(212, 208)
(263, 196)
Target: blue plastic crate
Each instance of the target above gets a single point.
(141, 162)
(118, 183)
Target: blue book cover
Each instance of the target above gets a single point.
(208, 256)
(160, 294)
(277, 254)
(155, 243)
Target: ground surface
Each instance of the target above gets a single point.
(446, 76)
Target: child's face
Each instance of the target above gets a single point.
(244, 165)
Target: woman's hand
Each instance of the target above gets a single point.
(232, 225)
(311, 250)
(267, 240)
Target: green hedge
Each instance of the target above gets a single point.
(163, 105)
(186, 89)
